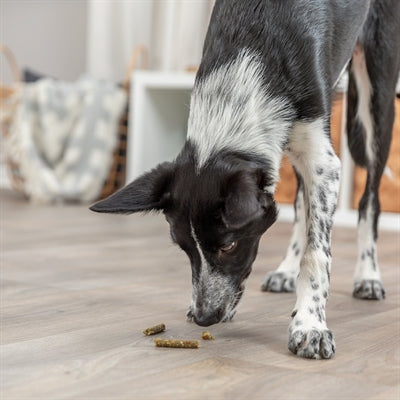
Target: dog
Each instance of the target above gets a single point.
(264, 88)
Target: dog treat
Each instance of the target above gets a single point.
(154, 329)
(182, 344)
(207, 336)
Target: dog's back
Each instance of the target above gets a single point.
(303, 45)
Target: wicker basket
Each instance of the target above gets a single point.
(10, 96)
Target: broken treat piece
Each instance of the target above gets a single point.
(154, 329)
(207, 336)
(182, 344)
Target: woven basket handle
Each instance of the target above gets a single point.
(138, 57)
(12, 62)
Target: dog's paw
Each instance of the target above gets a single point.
(370, 289)
(278, 282)
(312, 343)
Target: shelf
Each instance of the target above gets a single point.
(157, 119)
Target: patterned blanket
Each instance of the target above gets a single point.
(63, 137)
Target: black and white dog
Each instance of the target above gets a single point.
(264, 88)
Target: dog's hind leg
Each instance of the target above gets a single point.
(283, 279)
(310, 151)
(372, 79)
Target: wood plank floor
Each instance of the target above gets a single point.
(78, 288)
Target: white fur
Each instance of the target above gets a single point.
(231, 109)
(367, 263)
(214, 287)
(282, 278)
(308, 147)
(308, 150)
(291, 262)
(364, 98)
(311, 152)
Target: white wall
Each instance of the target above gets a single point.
(173, 31)
(115, 28)
(47, 36)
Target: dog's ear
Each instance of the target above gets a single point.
(148, 192)
(246, 201)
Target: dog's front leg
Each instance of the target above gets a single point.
(312, 154)
(284, 277)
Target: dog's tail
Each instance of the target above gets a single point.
(356, 135)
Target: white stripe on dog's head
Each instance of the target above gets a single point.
(212, 290)
(231, 109)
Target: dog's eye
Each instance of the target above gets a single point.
(229, 247)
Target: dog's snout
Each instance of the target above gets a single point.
(206, 319)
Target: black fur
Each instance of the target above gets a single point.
(280, 33)
(225, 202)
(302, 46)
(380, 39)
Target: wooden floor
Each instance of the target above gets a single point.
(78, 288)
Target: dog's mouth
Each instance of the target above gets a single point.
(233, 305)
(224, 314)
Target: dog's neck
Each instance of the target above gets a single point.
(232, 110)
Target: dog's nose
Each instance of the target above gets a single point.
(207, 319)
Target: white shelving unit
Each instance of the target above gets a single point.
(158, 119)
(157, 131)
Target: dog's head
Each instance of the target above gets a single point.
(216, 215)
